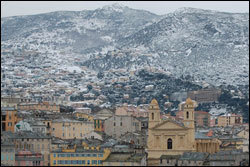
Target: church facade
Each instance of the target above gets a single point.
(169, 137)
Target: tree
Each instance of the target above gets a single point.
(100, 75)
(89, 87)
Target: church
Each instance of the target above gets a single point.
(169, 137)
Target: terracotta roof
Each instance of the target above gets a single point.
(210, 133)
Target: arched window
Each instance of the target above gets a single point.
(152, 116)
(169, 143)
(187, 115)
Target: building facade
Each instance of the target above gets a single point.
(7, 153)
(70, 129)
(8, 118)
(205, 95)
(79, 156)
(202, 118)
(169, 137)
(45, 106)
(31, 141)
(28, 158)
(118, 125)
(229, 119)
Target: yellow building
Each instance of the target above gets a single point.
(230, 119)
(8, 118)
(70, 129)
(79, 156)
(100, 118)
(83, 115)
(169, 137)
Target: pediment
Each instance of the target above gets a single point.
(168, 125)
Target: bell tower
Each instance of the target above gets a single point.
(188, 113)
(189, 122)
(154, 113)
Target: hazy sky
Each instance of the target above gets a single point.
(14, 8)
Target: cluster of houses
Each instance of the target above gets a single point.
(38, 134)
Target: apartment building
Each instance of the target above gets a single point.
(70, 129)
(79, 156)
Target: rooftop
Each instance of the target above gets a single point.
(124, 157)
(26, 135)
(196, 156)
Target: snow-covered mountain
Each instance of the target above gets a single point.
(79, 32)
(211, 46)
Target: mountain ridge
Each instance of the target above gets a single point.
(197, 42)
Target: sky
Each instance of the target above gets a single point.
(15, 8)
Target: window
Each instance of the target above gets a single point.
(54, 155)
(88, 155)
(74, 162)
(187, 115)
(83, 155)
(73, 128)
(152, 116)
(54, 162)
(114, 123)
(79, 162)
(120, 123)
(72, 155)
(169, 143)
(83, 161)
(68, 155)
(88, 162)
(99, 162)
(94, 155)
(12, 157)
(2, 157)
(100, 155)
(9, 123)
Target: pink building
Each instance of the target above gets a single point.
(28, 158)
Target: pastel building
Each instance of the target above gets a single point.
(83, 155)
(31, 141)
(28, 158)
(230, 119)
(70, 129)
(100, 118)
